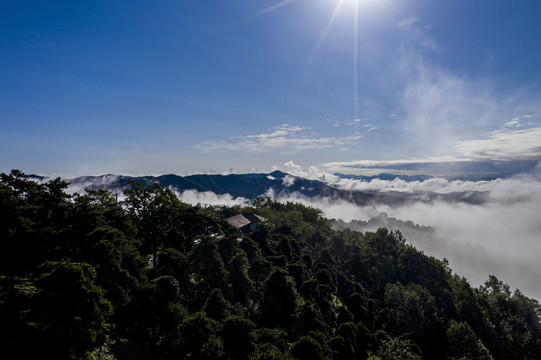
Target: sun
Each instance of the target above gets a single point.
(359, 3)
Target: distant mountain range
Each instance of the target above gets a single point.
(250, 186)
(384, 176)
(455, 170)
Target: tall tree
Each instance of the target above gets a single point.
(159, 215)
(68, 305)
(279, 301)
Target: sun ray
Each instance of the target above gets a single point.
(355, 46)
(268, 9)
(326, 29)
(357, 6)
(356, 60)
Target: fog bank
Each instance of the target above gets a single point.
(501, 237)
(195, 197)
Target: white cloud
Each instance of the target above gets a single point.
(417, 35)
(496, 238)
(502, 191)
(313, 172)
(498, 190)
(291, 166)
(283, 139)
(195, 197)
(505, 144)
(337, 209)
(408, 23)
(79, 184)
(266, 136)
(513, 123)
(440, 107)
(288, 181)
(387, 165)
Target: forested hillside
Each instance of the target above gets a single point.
(149, 277)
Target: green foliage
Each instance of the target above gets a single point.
(200, 337)
(207, 269)
(514, 321)
(174, 263)
(68, 305)
(32, 217)
(379, 254)
(160, 217)
(239, 279)
(463, 342)
(339, 348)
(279, 301)
(308, 348)
(409, 309)
(433, 274)
(344, 343)
(412, 310)
(396, 349)
(217, 307)
(269, 351)
(237, 337)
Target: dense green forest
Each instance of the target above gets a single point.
(85, 276)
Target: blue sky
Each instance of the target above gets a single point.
(353, 86)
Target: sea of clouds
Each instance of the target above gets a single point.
(501, 236)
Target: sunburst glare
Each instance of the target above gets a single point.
(341, 10)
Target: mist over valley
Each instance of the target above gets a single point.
(488, 227)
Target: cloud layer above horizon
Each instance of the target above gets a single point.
(285, 138)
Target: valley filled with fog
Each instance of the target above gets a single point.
(482, 228)
(498, 236)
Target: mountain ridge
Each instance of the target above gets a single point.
(281, 184)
